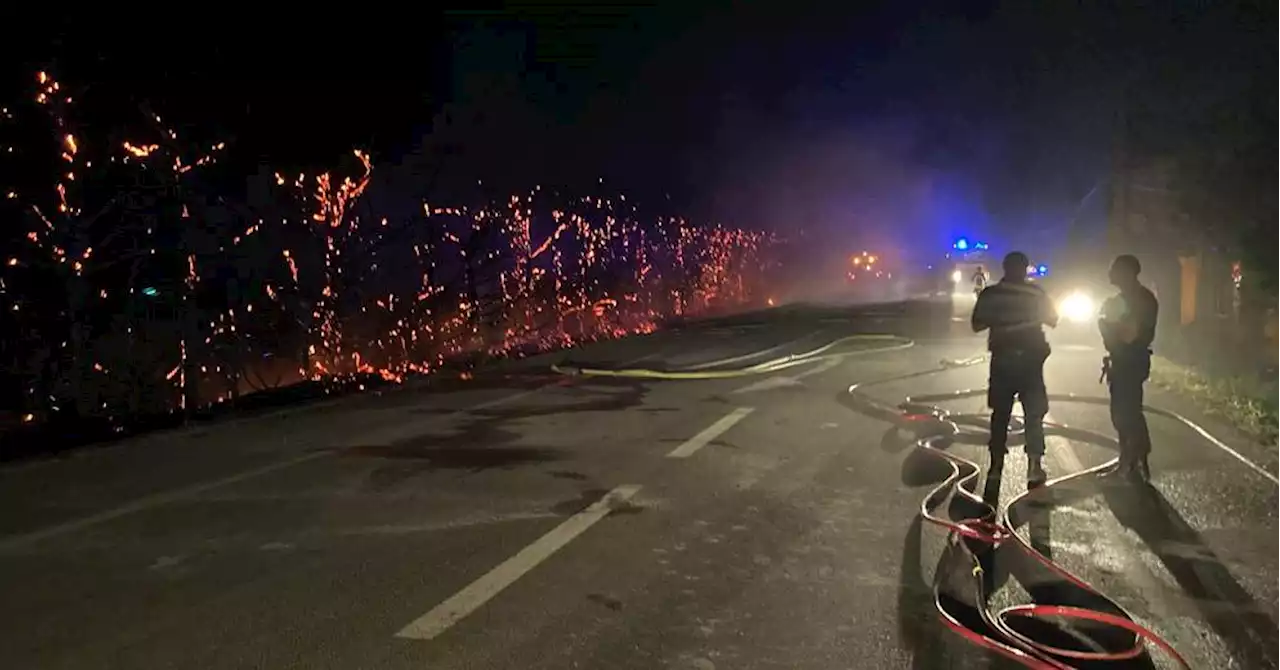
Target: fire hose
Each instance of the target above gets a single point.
(707, 370)
(990, 527)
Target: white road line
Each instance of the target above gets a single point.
(693, 444)
(821, 368)
(476, 594)
(754, 354)
(794, 380)
(1231, 452)
(468, 521)
(151, 501)
(1140, 574)
(489, 404)
(156, 500)
(1067, 457)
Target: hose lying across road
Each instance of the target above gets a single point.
(987, 527)
(977, 533)
(708, 370)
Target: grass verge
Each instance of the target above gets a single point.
(1249, 403)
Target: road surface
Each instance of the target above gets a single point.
(527, 520)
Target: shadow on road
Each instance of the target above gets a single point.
(483, 441)
(403, 460)
(437, 453)
(919, 630)
(1242, 623)
(1248, 630)
(1046, 587)
(919, 627)
(953, 585)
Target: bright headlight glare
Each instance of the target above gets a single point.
(1077, 307)
(957, 277)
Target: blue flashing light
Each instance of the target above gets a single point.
(961, 244)
(981, 246)
(150, 291)
(1042, 270)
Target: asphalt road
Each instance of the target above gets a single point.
(526, 520)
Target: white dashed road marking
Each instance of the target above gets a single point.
(693, 444)
(476, 594)
(149, 502)
(793, 380)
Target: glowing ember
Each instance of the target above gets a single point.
(335, 291)
(140, 151)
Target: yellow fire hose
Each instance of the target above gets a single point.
(893, 343)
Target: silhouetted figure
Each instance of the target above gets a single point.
(1128, 326)
(1014, 310)
(979, 280)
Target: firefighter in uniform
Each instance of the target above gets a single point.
(979, 280)
(1128, 326)
(1014, 311)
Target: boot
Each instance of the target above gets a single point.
(1139, 472)
(1122, 467)
(1036, 476)
(1119, 470)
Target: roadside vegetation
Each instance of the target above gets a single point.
(1248, 402)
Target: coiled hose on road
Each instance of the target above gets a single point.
(977, 533)
(988, 526)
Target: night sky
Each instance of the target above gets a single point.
(883, 122)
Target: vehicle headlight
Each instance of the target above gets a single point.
(1078, 307)
(957, 277)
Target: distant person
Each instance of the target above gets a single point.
(1128, 326)
(1013, 310)
(979, 280)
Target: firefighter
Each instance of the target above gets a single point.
(979, 280)
(1014, 311)
(1128, 326)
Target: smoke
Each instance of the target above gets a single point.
(837, 189)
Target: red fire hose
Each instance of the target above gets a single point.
(991, 529)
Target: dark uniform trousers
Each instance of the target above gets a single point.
(1018, 375)
(1126, 377)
